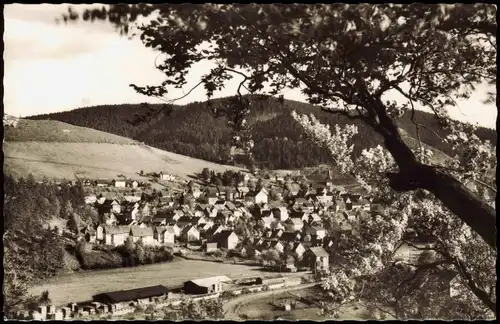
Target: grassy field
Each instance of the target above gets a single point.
(55, 131)
(95, 160)
(59, 150)
(266, 308)
(82, 285)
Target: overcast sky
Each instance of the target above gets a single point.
(50, 68)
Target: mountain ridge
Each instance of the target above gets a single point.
(280, 143)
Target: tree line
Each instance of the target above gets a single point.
(280, 142)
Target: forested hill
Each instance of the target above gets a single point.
(280, 143)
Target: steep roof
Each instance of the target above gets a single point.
(208, 282)
(132, 294)
(116, 229)
(319, 251)
(221, 236)
(138, 231)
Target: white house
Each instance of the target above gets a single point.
(119, 183)
(280, 213)
(145, 234)
(261, 197)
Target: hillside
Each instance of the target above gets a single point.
(279, 141)
(56, 131)
(44, 149)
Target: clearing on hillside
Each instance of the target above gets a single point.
(56, 131)
(57, 150)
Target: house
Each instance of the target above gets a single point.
(349, 215)
(109, 206)
(290, 237)
(294, 224)
(293, 189)
(365, 205)
(280, 213)
(123, 296)
(166, 176)
(164, 235)
(317, 258)
(213, 231)
(339, 205)
(249, 251)
(410, 253)
(195, 192)
(109, 219)
(207, 285)
(324, 198)
(266, 221)
(132, 198)
(206, 226)
(115, 235)
(102, 183)
(145, 234)
(210, 246)
(177, 231)
(277, 245)
(90, 199)
(241, 192)
(298, 248)
(225, 239)
(89, 233)
(211, 199)
(159, 221)
(190, 234)
(314, 218)
(261, 196)
(144, 209)
(131, 210)
(319, 232)
(99, 232)
(119, 183)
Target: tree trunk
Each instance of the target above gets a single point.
(414, 175)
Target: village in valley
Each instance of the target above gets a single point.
(283, 223)
(249, 162)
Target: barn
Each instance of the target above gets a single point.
(206, 285)
(138, 294)
(270, 280)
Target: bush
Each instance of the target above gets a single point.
(227, 294)
(265, 288)
(245, 291)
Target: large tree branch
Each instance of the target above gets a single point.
(474, 287)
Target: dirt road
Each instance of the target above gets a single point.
(231, 307)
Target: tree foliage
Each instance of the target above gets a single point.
(347, 59)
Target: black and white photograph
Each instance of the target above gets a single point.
(249, 162)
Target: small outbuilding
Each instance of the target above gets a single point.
(207, 285)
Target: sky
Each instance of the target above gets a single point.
(51, 68)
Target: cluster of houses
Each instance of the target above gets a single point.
(292, 222)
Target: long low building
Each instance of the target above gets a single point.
(131, 295)
(207, 285)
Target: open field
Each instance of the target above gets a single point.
(56, 131)
(82, 285)
(307, 308)
(97, 160)
(59, 150)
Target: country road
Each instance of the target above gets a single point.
(231, 307)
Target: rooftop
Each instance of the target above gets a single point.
(132, 294)
(208, 282)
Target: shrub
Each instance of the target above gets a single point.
(265, 288)
(245, 291)
(227, 294)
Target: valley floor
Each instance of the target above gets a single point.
(81, 286)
